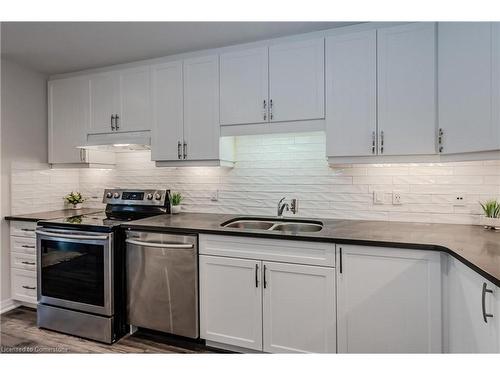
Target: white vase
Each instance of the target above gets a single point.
(176, 209)
(76, 206)
(490, 222)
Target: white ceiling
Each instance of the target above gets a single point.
(61, 47)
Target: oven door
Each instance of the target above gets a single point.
(74, 270)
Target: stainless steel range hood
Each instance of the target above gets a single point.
(119, 142)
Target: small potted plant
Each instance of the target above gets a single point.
(491, 217)
(75, 199)
(176, 200)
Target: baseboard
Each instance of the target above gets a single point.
(7, 305)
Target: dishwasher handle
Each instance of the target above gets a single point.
(161, 245)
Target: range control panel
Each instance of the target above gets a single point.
(136, 197)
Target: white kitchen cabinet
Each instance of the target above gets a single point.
(135, 100)
(168, 117)
(23, 262)
(468, 86)
(120, 101)
(265, 305)
(104, 102)
(388, 300)
(407, 89)
(201, 108)
(298, 308)
(68, 118)
(231, 301)
(186, 114)
(351, 94)
(244, 86)
(468, 298)
(297, 80)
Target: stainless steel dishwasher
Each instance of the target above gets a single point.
(162, 282)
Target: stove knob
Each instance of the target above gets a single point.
(109, 195)
(149, 196)
(157, 196)
(116, 195)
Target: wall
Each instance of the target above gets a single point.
(23, 139)
(293, 165)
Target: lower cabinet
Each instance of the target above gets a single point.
(388, 300)
(472, 321)
(274, 307)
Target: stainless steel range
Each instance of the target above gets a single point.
(81, 266)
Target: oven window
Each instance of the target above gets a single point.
(73, 271)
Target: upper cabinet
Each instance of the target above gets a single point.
(280, 83)
(469, 86)
(381, 92)
(186, 127)
(120, 101)
(68, 102)
(297, 81)
(351, 86)
(407, 89)
(244, 86)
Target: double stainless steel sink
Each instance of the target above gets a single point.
(269, 224)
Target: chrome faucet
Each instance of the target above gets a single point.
(283, 206)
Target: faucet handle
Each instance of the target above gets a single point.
(294, 205)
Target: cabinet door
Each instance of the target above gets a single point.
(466, 108)
(297, 80)
(68, 101)
(299, 309)
(351, 94)
(467, 330)
(167, 99)
(201, 108)
(104, 101)
(407, 89)
(231, 301)
(135, 103)
(244, 87)
(389, 300)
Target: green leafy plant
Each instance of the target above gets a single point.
(176, 199)
(74, 197)
(491, 208)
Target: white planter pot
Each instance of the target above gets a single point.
(176, 209)
(76, 206)
(490, 222)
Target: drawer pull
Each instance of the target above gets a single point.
(29, 287)
(27, 230)
(483, 302)
(28, 246)
(29, 263)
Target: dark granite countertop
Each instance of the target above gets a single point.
(51, 215)
(473, 245)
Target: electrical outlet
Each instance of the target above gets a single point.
(378, 197)
(396, 198)
(460, 200)
(214, 195)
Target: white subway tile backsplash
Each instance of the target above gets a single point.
(269, 167)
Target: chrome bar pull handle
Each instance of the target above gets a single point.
(373, 142)
(440, 139)
(29, 263)
(271, 115)
(29, 287)
(179, 150)
(117, 125)
(112, 122)
(265, 279)
(256, 275)
(382, 142)
(28, 246)
(184, 149)
(483, 302)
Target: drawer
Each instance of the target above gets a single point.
(23, 228)
(23, 285)
(24, 245)
(23, 261)
(289, 251)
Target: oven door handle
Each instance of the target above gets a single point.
(162, 245)
(71, 236)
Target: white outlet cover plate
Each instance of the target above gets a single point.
(378, 197)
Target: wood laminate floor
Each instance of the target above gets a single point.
(19, 334)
